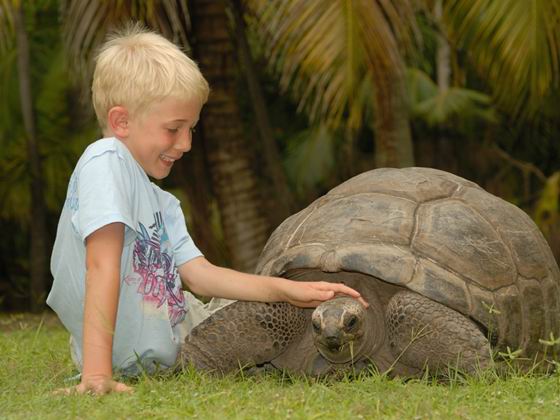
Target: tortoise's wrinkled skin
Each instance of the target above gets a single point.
(451, 272)
(342, 329)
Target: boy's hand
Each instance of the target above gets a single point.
(206, 279)
(313, 293)
(96, 385)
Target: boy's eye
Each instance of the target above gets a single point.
(173, 130)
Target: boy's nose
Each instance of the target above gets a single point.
(184, 142)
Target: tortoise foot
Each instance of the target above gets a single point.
(430, 336)
(242, 335)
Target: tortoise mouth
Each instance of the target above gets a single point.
(339, 352)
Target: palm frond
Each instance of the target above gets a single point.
(6, 25)
(9, 86)
(547, 209)
(311, 157)
(514, 45)
(326, 50)
(437, 106)
(60, 144)
(420, 86)
(87, 22)
(15, 181)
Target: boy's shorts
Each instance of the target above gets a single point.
(197, 312)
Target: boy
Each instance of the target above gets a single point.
(122, 247)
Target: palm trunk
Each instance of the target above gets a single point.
(393, 142)
(280, 197)
(446, 156)
(38, 227)
(192, 175)
(229, 152)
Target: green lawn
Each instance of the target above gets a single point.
(35, 361)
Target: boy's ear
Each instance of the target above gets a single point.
(117, 121)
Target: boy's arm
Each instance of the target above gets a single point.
(103, 260)
(206, 279)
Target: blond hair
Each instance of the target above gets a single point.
(136, 67)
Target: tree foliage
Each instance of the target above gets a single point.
(325, 51)
(333, 60)
(513, 45)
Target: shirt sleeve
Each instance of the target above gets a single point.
(104, 194)
(184, 248)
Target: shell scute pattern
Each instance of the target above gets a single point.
(416, 184)
(435, 282)
(452, 232)
(510, 317)
(524, 241)
(533, 314)
(439, 235)
(365, 218)
(395, 263)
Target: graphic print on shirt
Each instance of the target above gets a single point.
(152, 262)
(72, 194)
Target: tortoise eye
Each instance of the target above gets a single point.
(351, 322)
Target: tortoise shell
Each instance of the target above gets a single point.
(436, 234)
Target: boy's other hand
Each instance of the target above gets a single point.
(313, 293)
(96, 385)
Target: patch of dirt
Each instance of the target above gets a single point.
(26, 321)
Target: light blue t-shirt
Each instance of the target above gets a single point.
(109, 186)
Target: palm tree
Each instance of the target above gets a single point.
(13, 14)
(229, 153)
(34, 173)
(328, 53)
(340, 58)
(278, 209)
(514, 47)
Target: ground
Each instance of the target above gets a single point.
(35, 361)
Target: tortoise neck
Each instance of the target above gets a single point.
(374, 334)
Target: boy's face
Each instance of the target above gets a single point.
(160, 137)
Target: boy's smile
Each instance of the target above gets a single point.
(160, 137)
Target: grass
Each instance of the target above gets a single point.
(34, 361)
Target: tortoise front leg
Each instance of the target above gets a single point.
(428, 335)
(242, 334)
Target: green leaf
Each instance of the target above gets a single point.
(514, 45)
(437, 106)
(311, 157)
(327, 51)
(547, 209)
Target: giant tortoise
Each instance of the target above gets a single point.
(452, 274)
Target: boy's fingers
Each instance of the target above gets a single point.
(311, 304)
(322, 295)
(340, 288)
(318, 292)
(359, 298)
(96, 390)
(78, 389)
(363, 302)
(64, 391)
(120, 387)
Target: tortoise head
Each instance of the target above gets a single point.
(341, 329)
